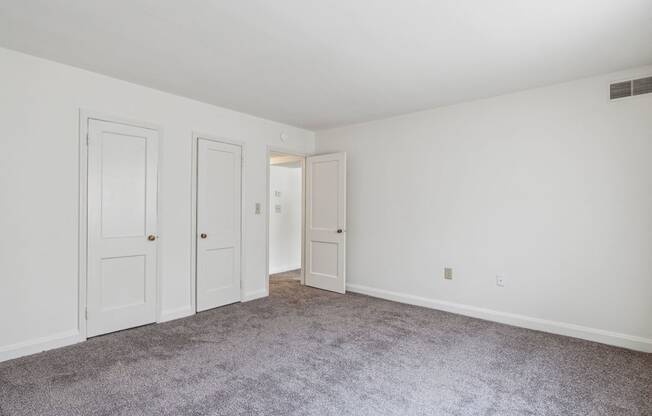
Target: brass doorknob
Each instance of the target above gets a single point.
(203, 235)
(151, 237)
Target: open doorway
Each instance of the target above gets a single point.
(286, 218)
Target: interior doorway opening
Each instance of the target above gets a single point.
(286, 217)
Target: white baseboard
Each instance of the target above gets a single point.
(254, 295)
(561, 328)
(177, 313)
(283, 269)
(33, 346)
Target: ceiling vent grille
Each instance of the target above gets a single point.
(620, 90)
(630, 88)
(642, 86)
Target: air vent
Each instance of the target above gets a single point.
(631, 88)
(620, 90)
(642, 86)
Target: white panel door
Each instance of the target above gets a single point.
(122, 226)
(218, 223)
(326, 222)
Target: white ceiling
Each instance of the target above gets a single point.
(324, 63)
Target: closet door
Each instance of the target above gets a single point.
(122, 226)
(219, 193)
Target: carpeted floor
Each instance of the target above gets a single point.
(290, 275)
(304, 351)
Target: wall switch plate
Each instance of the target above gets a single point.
(277, 208)
(448, 273)
(257, 208)
(500, 281)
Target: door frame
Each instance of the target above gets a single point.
(290, 152)
(193, 211)
(82, 275)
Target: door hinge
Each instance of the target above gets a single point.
(87, 139)
(86, 313)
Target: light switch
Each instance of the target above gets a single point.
(448, 273)
(257, 208)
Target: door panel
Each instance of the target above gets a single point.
(122, 214)
(218, 268)
(122, 282)
(124, 176)
(324, 258)
(218, 223)
(324, 195)
(326, 222)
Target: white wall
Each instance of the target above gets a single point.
(39, 122)
(551, 188)
(285, 227)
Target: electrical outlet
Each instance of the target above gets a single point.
(500, 281)
(448, 273)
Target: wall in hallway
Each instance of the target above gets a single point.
(284, 219)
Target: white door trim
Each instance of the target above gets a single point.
(286, 151)
(193, 213)
(84, 117)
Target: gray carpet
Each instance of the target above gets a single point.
(290, 275)
(304, 351)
